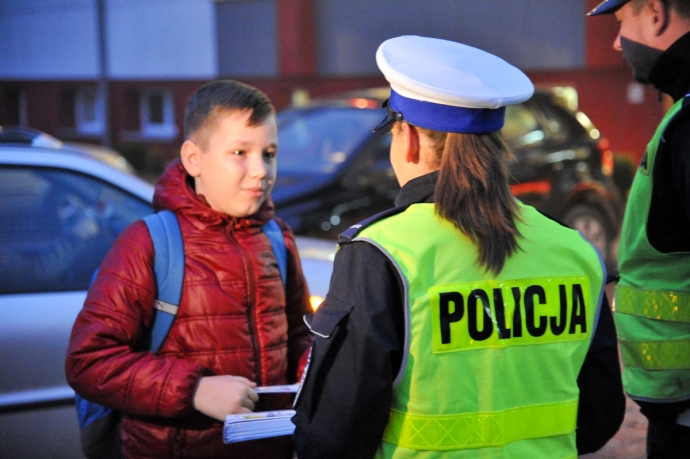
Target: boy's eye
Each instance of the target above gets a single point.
(238, 152)
(270, 154)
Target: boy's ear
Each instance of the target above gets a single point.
(189, 153)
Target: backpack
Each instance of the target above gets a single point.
(99, 426)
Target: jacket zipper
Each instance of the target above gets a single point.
(246, 259)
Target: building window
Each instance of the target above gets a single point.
(13, 111)
(67, 114)
(157, 114)
(89, 111)
(23, 110)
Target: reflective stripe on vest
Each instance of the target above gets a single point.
(656, 355)
(652, 303)
(478, 430)
(490, 361)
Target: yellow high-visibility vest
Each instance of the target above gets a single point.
(652, 307)
(491, 362)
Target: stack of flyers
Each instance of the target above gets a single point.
(284, 389)
(263, 424)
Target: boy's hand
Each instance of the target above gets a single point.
(218, 396)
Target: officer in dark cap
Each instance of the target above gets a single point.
(461, 323)
(652, 301)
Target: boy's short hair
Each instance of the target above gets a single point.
(220, 96)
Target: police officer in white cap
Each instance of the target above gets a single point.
(653, 295)
(461, 323)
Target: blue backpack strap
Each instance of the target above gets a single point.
(89, 412)
(275, 235)
(169, 267)
(169, 270)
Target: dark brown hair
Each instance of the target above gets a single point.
(473, 192)
(637, 6)
(221, 96)
(681, 7)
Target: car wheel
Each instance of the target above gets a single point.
(592, 224)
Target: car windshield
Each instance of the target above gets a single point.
(318, 141)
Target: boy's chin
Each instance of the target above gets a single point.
(245, 212)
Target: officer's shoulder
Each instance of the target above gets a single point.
(682, 117)
(552, 218)
(684, 112)
(347, 236)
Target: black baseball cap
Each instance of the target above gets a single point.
(607, 7)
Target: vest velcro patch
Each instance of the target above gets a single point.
(498, 314)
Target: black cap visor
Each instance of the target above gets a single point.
(390, 118)
(607, 7)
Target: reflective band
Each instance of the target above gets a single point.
(165, 307)
(478, 430)
(653, 304)
(656, 355)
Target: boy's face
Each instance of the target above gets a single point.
(236, 168)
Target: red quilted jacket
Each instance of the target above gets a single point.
(235, 318)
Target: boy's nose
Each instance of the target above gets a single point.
(257, 168)
(617, 42)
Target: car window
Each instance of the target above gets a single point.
(521, 127)
(382, 148)
(57, 226)
(322, 139)
(554, 118)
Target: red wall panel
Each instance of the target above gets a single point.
(602, 30)
(296, 37)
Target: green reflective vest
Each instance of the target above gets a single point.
(652, 306)
(491, 362)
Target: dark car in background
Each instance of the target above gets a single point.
(333, 171)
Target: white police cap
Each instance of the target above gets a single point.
(447, 86)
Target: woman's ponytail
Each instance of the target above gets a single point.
(473, 192)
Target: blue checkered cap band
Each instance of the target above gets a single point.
(448, 86)
(446, 118)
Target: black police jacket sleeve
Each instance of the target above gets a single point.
(344, 403)
(342, 409)
(602, 402)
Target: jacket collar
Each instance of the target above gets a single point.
(175, 191)
(420, 189)
(671, 74)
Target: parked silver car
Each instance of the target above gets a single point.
(61, 208)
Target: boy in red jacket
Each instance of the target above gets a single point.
(237, 326)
